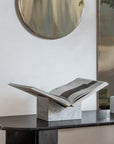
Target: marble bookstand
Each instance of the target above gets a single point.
(49, 110)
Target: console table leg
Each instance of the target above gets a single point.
(48, 137)
(21, 137)
(32, 137)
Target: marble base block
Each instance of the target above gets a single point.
(51, 111)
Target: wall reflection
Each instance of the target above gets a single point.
(50, 18)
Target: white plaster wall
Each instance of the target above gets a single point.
(2, 137)
(46, 64)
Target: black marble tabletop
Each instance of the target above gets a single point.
(30, 122)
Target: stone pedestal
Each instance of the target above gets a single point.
(51, 111)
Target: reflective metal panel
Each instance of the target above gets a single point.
(50, 19)
(106, 49)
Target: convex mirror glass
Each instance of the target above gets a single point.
(50, 19)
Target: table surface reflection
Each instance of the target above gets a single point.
(30, 122)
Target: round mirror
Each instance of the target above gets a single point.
(50, 19)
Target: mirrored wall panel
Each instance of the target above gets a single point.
(50, 19)
(106, 50)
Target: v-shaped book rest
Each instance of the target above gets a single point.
(64, 102)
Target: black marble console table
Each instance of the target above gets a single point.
(30, 130)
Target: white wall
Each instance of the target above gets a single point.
(46, 64)
(2, 137)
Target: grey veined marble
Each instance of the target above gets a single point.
(51, 111)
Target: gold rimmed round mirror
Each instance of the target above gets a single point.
(50, 19)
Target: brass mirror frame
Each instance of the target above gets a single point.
(57, 35)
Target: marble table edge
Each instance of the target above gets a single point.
(56, 127)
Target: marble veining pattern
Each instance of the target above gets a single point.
(51, 111)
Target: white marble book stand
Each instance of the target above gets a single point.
(49, 110)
